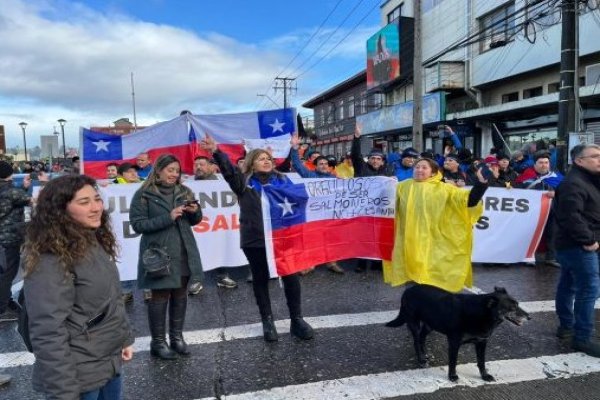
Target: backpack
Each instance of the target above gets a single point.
(23, 321)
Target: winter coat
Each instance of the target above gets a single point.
(577, 209)
(150, 215)
(248, 193)
(530, 179)
(505, 179)
(12, 219)
(77, 324)
(361, 168)
(402, 172)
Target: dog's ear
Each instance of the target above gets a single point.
(492, 302)
(499, 289)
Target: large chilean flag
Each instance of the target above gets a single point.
(100, 149)
(326, 220)
(234, 133)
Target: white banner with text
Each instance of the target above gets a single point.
(508, 232)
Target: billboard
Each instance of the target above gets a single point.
(383, 56)
(390, 53)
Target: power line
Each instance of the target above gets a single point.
(339, 42)
(330, 36)
(311, 37)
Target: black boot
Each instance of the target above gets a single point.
(301, 329)
(157, 313)
(298, 326)
(177, 307)
(269, 330)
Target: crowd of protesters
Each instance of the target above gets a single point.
(69, 250)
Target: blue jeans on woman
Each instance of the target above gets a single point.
(110, 391)
(577, 291)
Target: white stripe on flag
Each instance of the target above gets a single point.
(227, 128)
(161, 135)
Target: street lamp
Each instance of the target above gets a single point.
(62, 123)
(23, 125)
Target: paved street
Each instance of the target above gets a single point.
(353, 356)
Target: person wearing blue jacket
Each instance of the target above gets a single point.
(321, 163)
(403, 168)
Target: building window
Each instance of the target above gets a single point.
(497, 27)
(330, 114)
(363, 103)
(532, 92)
(508, 97)
(394, 14)
(351, 107)
(340, 110)
(553, 87)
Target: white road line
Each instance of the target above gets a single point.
(429, 380)
(207, 336)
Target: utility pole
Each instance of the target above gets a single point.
(286, 87)
(133, 101)
(567, 117)
(417, 131)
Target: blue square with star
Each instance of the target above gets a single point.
(99, 146)
(287, 204)
(273, 123)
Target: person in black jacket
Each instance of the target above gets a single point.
(375, 165)
(577, 207)
(258, 171)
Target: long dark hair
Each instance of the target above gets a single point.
(52, 230)
(160, 164)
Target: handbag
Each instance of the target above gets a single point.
(156, 262)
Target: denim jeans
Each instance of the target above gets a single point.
(110, 391)
(127, 286)
(577, 290)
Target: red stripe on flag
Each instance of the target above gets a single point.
(184, 153)
(539, 229)
(306, 245)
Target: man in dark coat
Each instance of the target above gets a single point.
(375, 165)
(578, 219)
(12, 228)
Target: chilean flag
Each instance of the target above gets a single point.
(100, 149)
(237, 133)
(327, 220)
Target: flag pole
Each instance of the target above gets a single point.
(133, 101)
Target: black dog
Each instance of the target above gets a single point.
(463, 318)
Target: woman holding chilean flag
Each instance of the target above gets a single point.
(259, 170)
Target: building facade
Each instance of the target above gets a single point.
(488, 66)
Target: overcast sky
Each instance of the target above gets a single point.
(73, 60)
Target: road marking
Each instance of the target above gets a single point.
(429, 380)
(207, 336)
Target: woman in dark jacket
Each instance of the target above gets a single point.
(164, 211)
(77, 323)
(247, 184)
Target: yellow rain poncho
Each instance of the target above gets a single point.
(433, 235)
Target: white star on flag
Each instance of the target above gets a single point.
(101, 145)
(277, 126)
(286, 206)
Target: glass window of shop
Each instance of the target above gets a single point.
(518, 140)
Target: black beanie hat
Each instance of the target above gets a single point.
(5, 170)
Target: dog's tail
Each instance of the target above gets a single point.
(395, 323)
